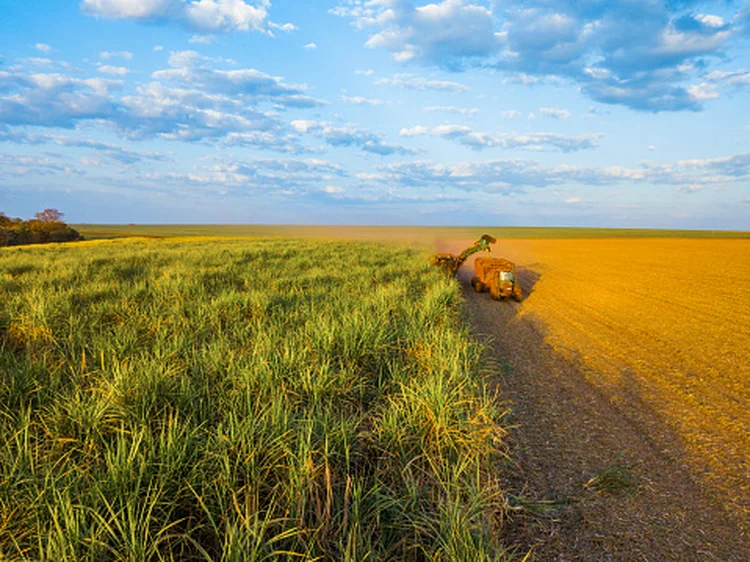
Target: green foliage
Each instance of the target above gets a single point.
(246, 399)
(45, 227)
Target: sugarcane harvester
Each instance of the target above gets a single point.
(496, 275)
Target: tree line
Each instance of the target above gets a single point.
(45, 227)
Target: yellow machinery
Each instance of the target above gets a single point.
(451, 262)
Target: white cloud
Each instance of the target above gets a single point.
(38, 61)
(333, 189)
(286, 28)
(524, 141)
(414, 131)
(43, 47)
(613, 53)
(735, 78)
(359, 100)
(286, 176)
(113, 70)
(554, 112)
(452, 109)
(510, 114)
(54, 100)
(158, 48)
(190, 103)
(310, 46)
(205, 15)
(202, 39)
(368, 72)
(692, 188)
(446, 34)
(514, 175)
(710, 21)
(703, 91)
(117, 153)
(106, 55)
(651, 147)
(225, 15)
(195, 71)
(350, 135)
(573, 200)
(130, 9)
(412, 82)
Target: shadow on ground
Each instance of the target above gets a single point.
(595, 473)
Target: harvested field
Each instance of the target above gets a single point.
(634, 349)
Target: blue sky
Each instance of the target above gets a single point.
(617, 113)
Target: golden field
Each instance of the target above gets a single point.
(658, 324)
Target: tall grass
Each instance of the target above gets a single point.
(243, 399)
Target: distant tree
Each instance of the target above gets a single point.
(49, 215)
(46, 226)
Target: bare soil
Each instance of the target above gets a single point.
(592, 476)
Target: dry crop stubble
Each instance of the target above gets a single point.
(660, 322)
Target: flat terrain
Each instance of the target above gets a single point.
(202, 398)
(628, 363)
(426, 235)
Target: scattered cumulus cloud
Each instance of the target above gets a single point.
(257, 175)
(523, 141)
(452, 109)
(107, 55)
(193, 70)
(554, 112)
(516, 175)
(190, 101)
(286, 27)
(43, 47)
(350, 135)
(212, 16)
(359, 100)
(449, 34)
(117, 153)
(411, 82)
(202, 39)
(113, 70)
(310, 46)
(703, 91)
(646, 59)
(510, 114)
(54, 100)
(38, 61)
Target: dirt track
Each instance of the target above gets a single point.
(565, 431)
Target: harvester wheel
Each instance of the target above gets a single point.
(477, 284)
(518, 294)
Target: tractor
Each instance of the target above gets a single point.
(498, 276)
